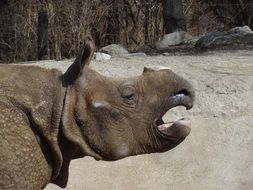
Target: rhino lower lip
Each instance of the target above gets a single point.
(182, 126)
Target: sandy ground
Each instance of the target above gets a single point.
(217, 155)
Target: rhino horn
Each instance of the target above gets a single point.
(155, 68)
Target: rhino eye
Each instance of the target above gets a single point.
(130, 97)
(129, 94)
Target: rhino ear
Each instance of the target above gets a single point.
(83, 60)
(155, 68)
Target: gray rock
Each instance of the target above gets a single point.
(172, 39)
(206, 40)
(193, 41)
(219, 39)
(234, 39)
(115, 50)
(102, 56)
(240, 30)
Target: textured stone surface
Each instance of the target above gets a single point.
(114, 50)
(206, 40)
(240, 30)
(174, 38)
(102, 56)
(238, 36)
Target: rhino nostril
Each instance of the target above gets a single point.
(184, 92)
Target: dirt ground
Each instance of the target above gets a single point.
(217, 155)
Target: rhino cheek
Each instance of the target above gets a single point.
(106, 133)
(154, 142)
(121, 149)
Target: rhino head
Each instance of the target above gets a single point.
(48, 118)
(110, 118)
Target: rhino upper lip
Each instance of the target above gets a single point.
(183, 98)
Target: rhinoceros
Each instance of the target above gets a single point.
(48, 118)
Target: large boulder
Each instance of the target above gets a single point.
(172, 39)
(240, 30)
(102, 56)
(239, 36)
(115, 50)
(206, 40)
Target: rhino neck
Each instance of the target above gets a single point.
(38, 93)
(71, 129)
(48, 129)
(71, 141)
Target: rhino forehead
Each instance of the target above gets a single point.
(158, 68)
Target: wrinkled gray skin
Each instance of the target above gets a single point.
(47, 119)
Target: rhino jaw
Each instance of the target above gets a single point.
(177, 130)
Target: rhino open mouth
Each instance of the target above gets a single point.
(181, 128)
